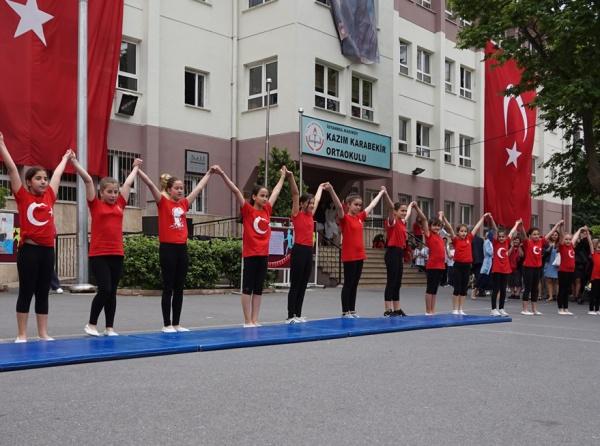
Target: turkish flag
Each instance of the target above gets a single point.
(509, 136)
(38, 78)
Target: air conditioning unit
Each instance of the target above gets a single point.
(125, 103)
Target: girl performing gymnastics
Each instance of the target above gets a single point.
(463, 258)
(501, 268)
(106, 246)
(353, 245)
(566, 268)
(35, 258)
(256, 218)
(395, 227)
(172, 235)
(303, 211)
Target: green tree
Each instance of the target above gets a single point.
(557, 43)
(278, 158)
(4, 192)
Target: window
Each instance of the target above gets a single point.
(449, 14)
(199, 204)
(466, 214)
(448, 142)
(533, 170)
(464, 151)
(67, 188)
(195, 86)
(378, 209)
(4, 178)
(424, 3)
(257, 91)
(119, 168)
(327, 93)
(423, 148)
(449, 76)
(465, 83)
(362, 98)
(403, 135)
(426, 205)
(535, 221)
(404, 199)
(423, 66)
(127, 77)
(449, 210)
(252, 3)
(404, 57)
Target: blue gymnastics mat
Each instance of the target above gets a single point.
(72, 351)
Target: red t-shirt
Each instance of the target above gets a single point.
(437, 252)
(533, 253)
(501, 261)
(396, 232)
(514, 258)
(36, 217)
(567, 258)
(596, 268)
(257, 230)
(303, 228)
(172, 225)
(463, 250)
(417, 230)
(353, 245)
(107, 227)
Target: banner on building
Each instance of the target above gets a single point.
(356, 24)
(340, 142)
(38, 79)
(509, 136)
(9, 236)
(280, 243)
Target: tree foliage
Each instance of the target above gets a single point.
(4, 192)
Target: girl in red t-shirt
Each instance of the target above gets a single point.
(395, 227)
(35, 257)
(256, 218)
(566, 267)
(463, 258)
(595, 277)
(172, 235)
(353, 245)
(303, 211)
(106, 246)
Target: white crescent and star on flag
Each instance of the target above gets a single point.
(514, 153)
(32, 18)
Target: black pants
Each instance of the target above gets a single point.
(595, 295)
(107, 271)
(531, 283)
(499, 282)
(352, 273)
(35, 265)
(300, 269)
(434, 278)
(565, 282)
(173, 265)
(460, 278)
(255, 272)
(394, 266)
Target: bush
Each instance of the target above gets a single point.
(595, 230)
(229, 253)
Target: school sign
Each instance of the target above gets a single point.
(343, 143)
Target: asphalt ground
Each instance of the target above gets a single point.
(533, 381)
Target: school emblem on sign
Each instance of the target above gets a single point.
(314, 137)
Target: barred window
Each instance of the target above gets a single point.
(119, 168)
(67, 189)
(199, 204)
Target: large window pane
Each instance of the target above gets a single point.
(255, 80)
(127, 61)
(332, 82)
(271, 69)
(319, 78)
(190, 88)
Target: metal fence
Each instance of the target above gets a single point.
(222, 228)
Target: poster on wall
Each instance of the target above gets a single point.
(9, 236)
(281, 242)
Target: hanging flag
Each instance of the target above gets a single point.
(38, 79)
(509, 136)
(356, 24)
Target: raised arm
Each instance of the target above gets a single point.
(409, 209)
(514, 229)
(230, 184)
(58, 171)
(495, 226)
(446, 224)
(295, 194)
(277, 189)
(11, 167)
(336, 201)
(554, 228)
(375, 200)
(577, 235)
(589, 239)
(478, 225)
(90, 190)
(318, 196)
(153, 189)
(128, 184)
(425, 225)
(201, 185)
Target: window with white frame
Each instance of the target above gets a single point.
(426, 205)
(362, 99)
(120, 165)
(466, 214)
(327, 88)
(449, 210)
(199, 204)
(448, 143)
(252, 3)
(403, 134)
(127, 76)
(449, 75)
(377, 211)
(424, 3)
(464, 151)
(404, 57)
(195, 88)
(466, 86)
(535, 221)
(423, 65)
(423, 148)
(257, 84)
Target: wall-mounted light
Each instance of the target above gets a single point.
(418, 171)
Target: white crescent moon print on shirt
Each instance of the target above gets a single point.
(500, 250)
(537, 250)
(30, 209)
(257, 223)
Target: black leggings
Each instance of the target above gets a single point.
(565, 282)
(352, 272)
(595, 295)
(531, 283)
(499, 282)
(460, 278)
(173, 265)
(35, 265)
(107, 271)
(434, 278)
(300, 269)
(394, 265)
(255, 272)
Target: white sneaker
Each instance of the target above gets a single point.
(291, 320)
(59, 290)
(49, 338)
(301, 319)
(169, 329)
(503, 312)
(429, 314)
(347, 316)
(526, 313)
(91, 331)
(561, 312)
(110, 333)
(494, 312)
(355, 315)
(258, 325)
(455, 312)
(20, 341)
(462, 313)
(597, 313)
(592, 313)
(538, 313)
(568, 313)
(249, 325)
(180, 329)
